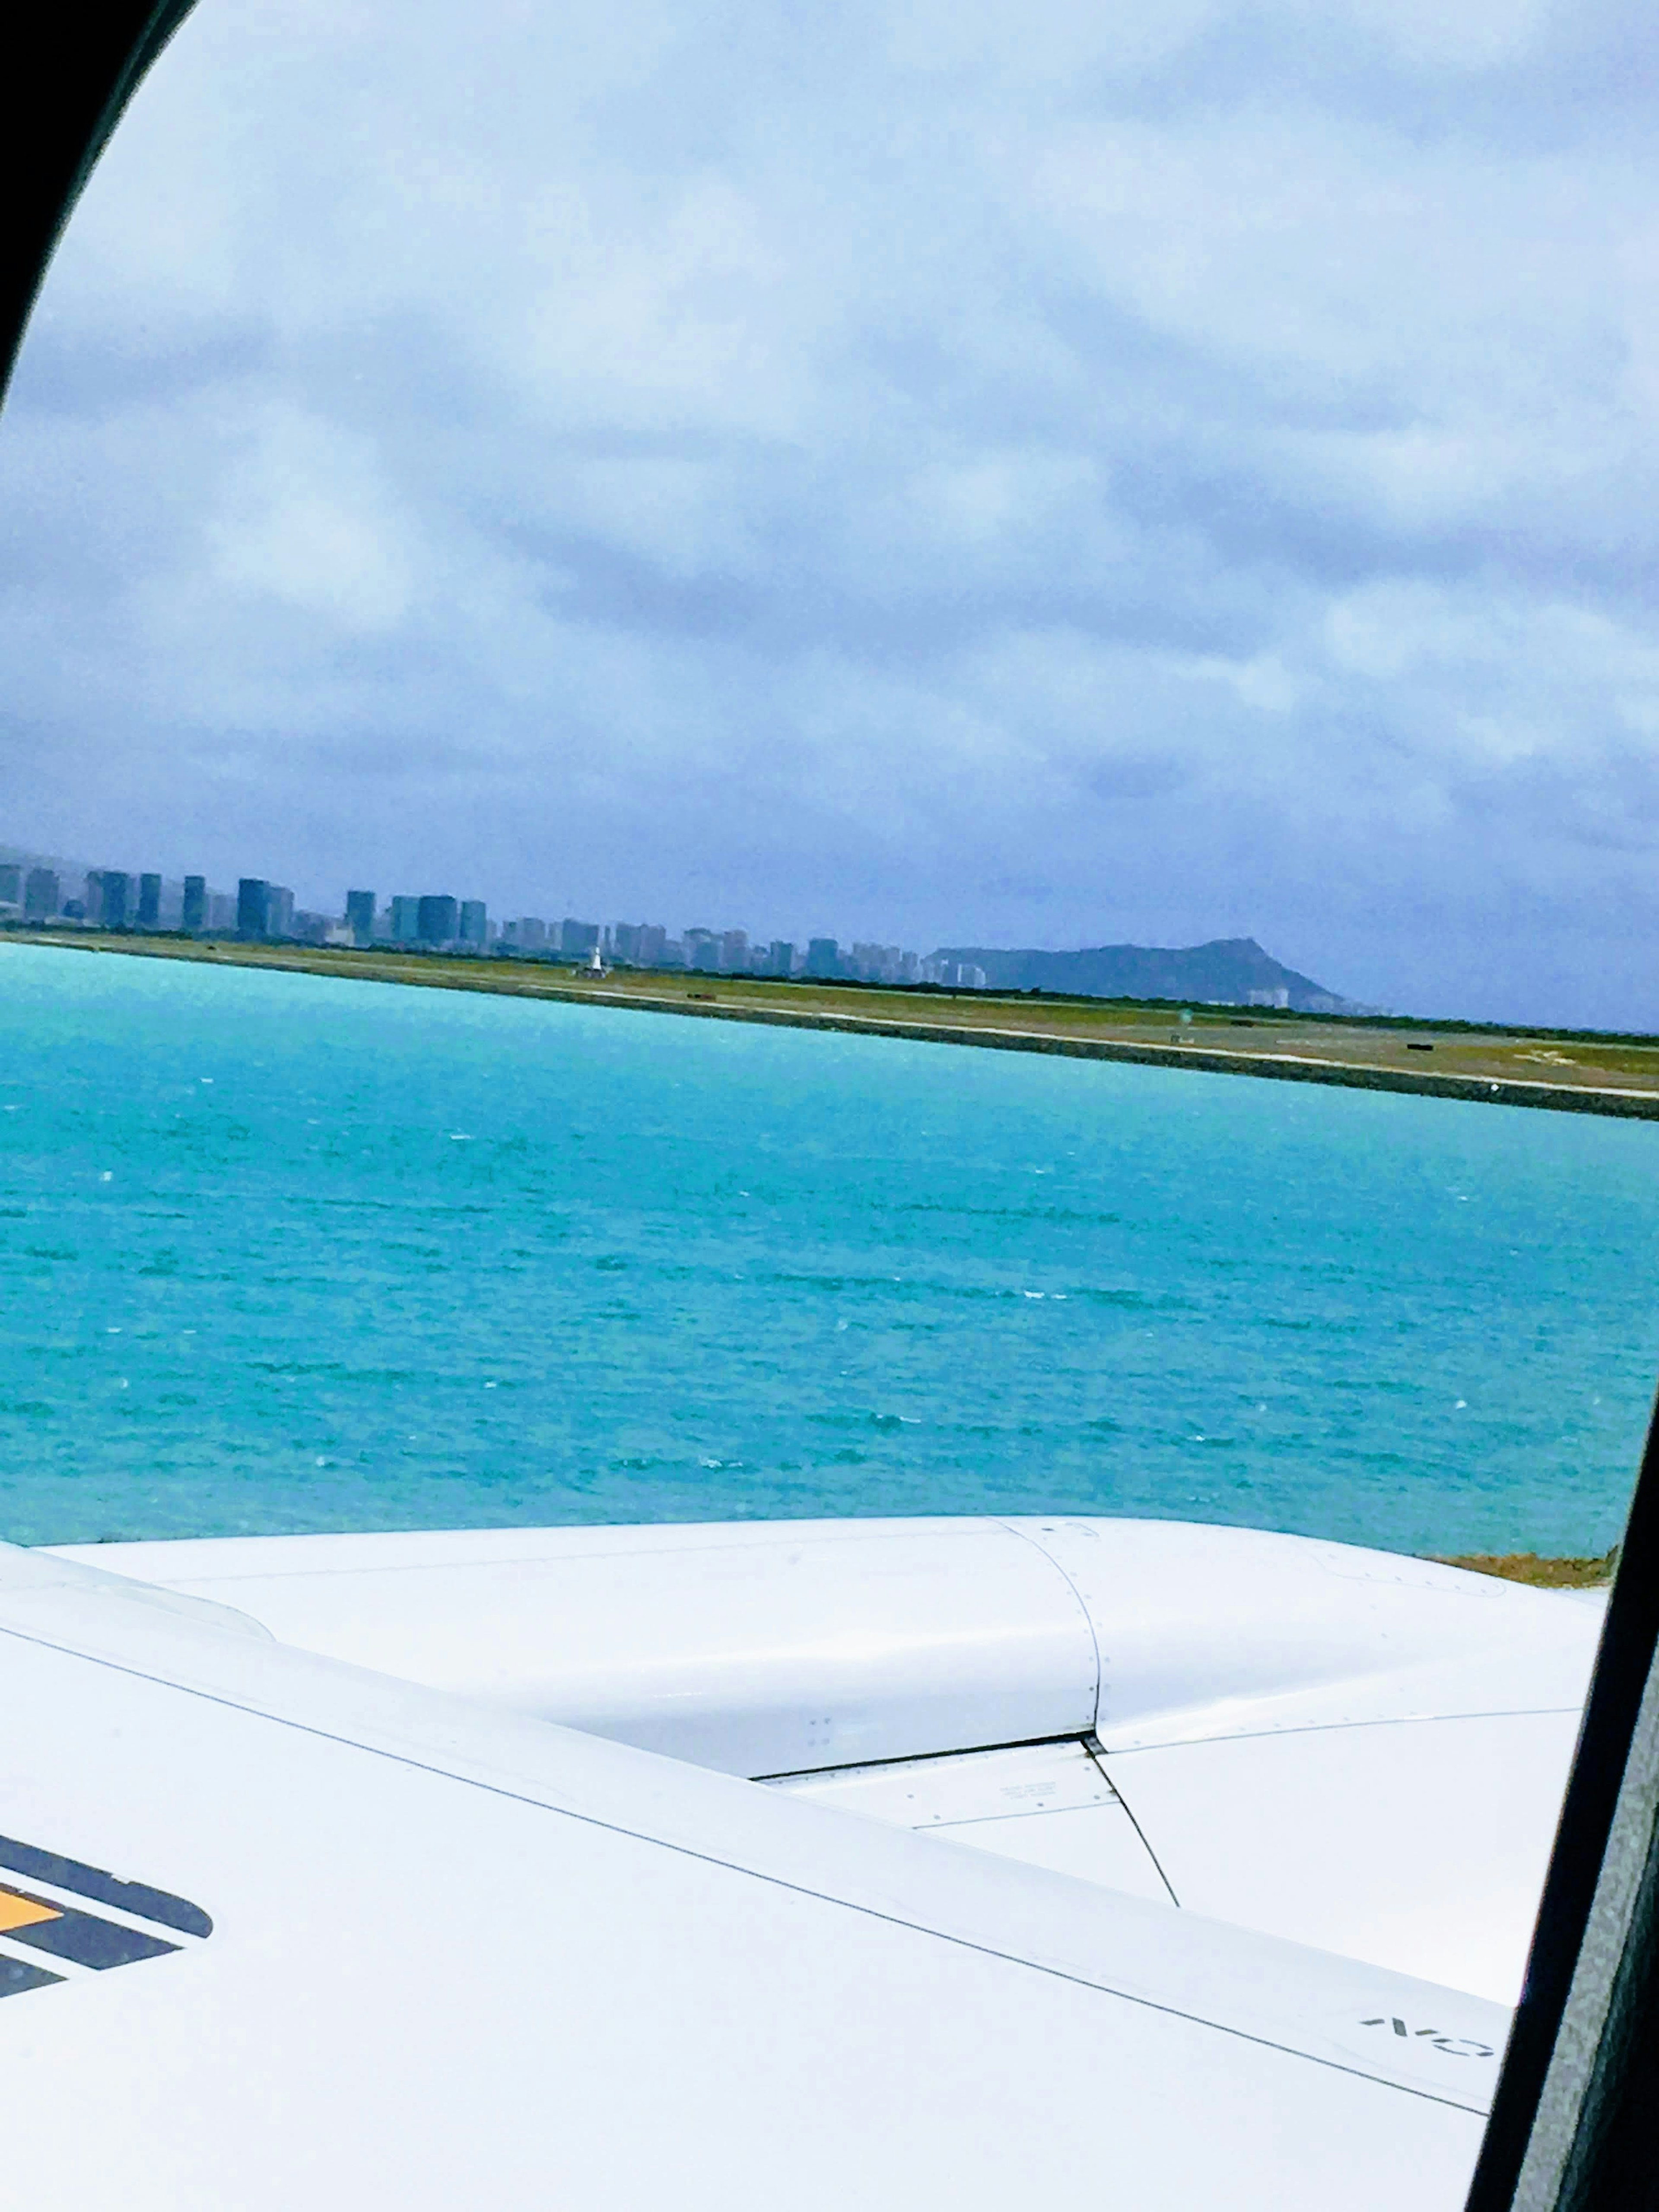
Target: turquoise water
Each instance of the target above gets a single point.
(284, 1253)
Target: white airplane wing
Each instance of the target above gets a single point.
(281, 1931)
(1360, 1752)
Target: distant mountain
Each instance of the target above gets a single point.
(1224, 972)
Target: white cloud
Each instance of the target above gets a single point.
(300, 517)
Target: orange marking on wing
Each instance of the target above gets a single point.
(23, 1912)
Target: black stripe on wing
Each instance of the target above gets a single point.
(103, 1888)
(82, 1936)
(16, 1976)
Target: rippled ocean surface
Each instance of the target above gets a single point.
(287, 1253)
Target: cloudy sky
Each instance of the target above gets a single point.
(1050, 474)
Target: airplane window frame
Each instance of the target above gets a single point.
(1571, 2122)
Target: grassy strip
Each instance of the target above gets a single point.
(1539, 1572)
(1498, 1068)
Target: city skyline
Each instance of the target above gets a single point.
(36, 891)
(33, 889)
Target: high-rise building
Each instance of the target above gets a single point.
(117, 906)
(193, 914)
(474, 924)
(650, 942)
(734, 951)
(823, 957)
(780, 958)
(578, 939)
(11, 883)
(405, 921)
(252, 907)
(279, 916)
(625, 940)
(42, 895)
(360, 917)
(220, 910)
(437, 920)
(149, 901)
(877, 964)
